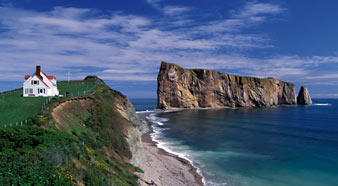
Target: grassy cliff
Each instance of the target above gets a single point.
(16, 109)
(79, 140)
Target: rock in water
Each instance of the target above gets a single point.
(199, 88)
(303, 97)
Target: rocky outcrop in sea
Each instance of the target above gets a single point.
(303, 97)
(200, 88)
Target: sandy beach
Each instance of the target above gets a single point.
(164, 169)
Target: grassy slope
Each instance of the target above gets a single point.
(15, 108)
(86, 146)
(77, 88)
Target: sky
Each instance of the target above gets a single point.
(124, 42)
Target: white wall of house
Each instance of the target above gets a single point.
(38, 88)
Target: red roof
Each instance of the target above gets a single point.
(42, 81)
(49, 77)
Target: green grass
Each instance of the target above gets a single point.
(31, 155)
(88, 147)
(15, 108)
(76, 88)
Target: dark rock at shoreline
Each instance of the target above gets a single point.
(199, 88)
(303, 97)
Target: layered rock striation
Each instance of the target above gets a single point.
(303, 97)
(199, 88)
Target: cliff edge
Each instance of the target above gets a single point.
(200, 88)
(90, 139)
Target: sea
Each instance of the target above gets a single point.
(276, 146)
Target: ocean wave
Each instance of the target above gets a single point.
(144, 111)
(322, 104)
(156, 120)
(211, 183)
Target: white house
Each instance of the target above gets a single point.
(39, 84)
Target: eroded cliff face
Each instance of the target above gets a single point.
(133, 133)
(106, 123)
(303, 97)
(127, 110)
(199, 88)
(134, 141)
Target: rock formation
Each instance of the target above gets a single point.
(303, 97)
(199, 88)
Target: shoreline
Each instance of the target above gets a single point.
(164, 168)
(146, 112)
(149, 142)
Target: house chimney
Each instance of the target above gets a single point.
(38, 71)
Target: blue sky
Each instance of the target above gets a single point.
(123, 42)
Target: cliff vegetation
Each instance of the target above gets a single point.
(76, 140)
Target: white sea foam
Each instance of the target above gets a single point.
(322, 104)
(170, 146)
(160, 123)
(211, 183)
(157, 120)
(144, 111)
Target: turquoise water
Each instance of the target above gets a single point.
(286, 145)
(144, 104)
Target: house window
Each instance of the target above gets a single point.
(35, 82)
(28, 91)
(41, 90)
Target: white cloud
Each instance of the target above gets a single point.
(251, 14)
(168, 10)
(154, 3)
(175, 10)
(130, 47)
(325, 76)
(258, 9)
